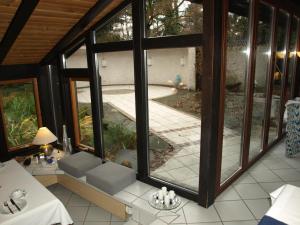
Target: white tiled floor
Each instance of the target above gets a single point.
(243, 203)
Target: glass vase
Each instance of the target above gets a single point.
(69, 147)
(65, 138)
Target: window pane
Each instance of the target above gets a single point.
(174, 101)
(263, 51)
(85, 134)
(19, 112)
(77, 59)
(119, 123)
(292, 54)
(173, 17)
(236, 74)
(278, 74)
(119, 28)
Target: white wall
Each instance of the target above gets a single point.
(163, 66)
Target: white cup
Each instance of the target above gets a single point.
(167, 200)
(171, 194)
(160, 195)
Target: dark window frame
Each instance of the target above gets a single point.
(76, 126)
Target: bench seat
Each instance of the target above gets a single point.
(79, 163)
(111, 177)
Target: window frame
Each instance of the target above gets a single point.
(37, 109)
(74, 104)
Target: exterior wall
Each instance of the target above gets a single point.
(117, 68)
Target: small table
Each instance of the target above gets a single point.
(43, 168)
(42, 206)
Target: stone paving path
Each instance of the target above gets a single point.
(179, 129)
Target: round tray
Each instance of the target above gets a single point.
(159, 204)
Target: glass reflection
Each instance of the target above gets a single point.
(278, 74)
(263, 52)
(235, 82)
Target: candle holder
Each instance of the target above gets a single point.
(156, 202)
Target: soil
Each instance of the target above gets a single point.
(185, 101)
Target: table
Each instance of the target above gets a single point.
(43, 208)
(43, 168)
(285, 204)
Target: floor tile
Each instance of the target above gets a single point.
(97, 214)
(148, 195)
(158, 222)
(180, 218)
(76, 200)
(217, 223)
(143, 204)
(229, 194)
(96, 223)
(77, 213)
(78, 223)
(195, 214)
(130, 222)
(265, 176)
(126, 196)
(246, 178)
(250, 222)
(271, 186)
(138, 188)
(288, 174)
(233, 210)
(258, 207)
(250, 191)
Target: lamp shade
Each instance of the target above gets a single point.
(44, 136)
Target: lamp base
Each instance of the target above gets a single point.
(47, 149)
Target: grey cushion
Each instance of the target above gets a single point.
(111, 177)
(79, 163)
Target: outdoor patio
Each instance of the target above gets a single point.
(179, 129)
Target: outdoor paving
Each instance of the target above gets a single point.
(179, 129)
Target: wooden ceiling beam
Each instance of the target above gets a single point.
(76, 29)
(21, 17)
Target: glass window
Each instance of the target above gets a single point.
(20, 111)
(77, 59)
(174, 101)
(173, 17)
(235, 84)
(119, 121)
(279, 67)
(292, 54)
(119, 28)
(82, 114)
(263, 52)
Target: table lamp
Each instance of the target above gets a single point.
(43, 138)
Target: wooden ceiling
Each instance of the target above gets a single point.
(47, 25)
(7, 12)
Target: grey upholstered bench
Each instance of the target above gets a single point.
(111, 177)
(79, 163)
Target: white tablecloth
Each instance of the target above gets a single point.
(42, 208)
(286, 204)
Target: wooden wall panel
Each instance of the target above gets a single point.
(7, 12)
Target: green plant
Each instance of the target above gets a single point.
(117, 137)
(19, 113)
(86, 126)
